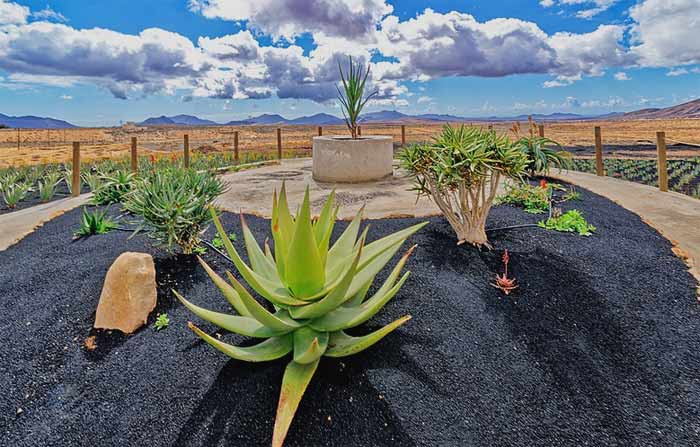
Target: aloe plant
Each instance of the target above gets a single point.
(318, 291)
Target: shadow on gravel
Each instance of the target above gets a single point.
(240, 406)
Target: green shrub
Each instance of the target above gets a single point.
(534, 199)
(93, 179)
(318, 291)
(569, 222)
(93, 223)
(113, 188)
(174, 205)
(460, 171)
(542, 152)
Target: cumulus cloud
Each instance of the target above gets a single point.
(621, 76)
(354, 19)
(12, 13)
(49, 14)
(664, 32)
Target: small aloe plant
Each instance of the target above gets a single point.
(318, 291)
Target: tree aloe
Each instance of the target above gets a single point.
(318, 290)
(352, 98)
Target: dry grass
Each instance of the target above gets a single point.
(51, 146)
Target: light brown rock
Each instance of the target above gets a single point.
(129, 293)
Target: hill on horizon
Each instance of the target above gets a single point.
(33, 122)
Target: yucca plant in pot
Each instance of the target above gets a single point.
(343, 159)
(317, 290)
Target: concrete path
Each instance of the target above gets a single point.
(674, 215)
(17, 224)
(251, 191)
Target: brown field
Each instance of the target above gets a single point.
(52, 146)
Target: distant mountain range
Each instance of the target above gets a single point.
(33, 122)
(687, 110)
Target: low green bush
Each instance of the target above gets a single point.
(93, 223)
(534, 199)
(113, 188)
(174, 204)
(569, 222)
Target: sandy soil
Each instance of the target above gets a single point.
(47, 146)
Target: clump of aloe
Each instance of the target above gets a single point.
(318, 290)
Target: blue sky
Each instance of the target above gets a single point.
(92, 64)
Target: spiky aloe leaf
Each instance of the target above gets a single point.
(258, 312)
(294, 383)
(343, 345)
(375, 248)
(309, 345)
(247, 326)
(271, 349)
(226, 289)
(343, 247)
(258, 261)
(334, 299)
(348, 317)
(306, 275)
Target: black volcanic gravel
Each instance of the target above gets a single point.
(33, 198)
(600, 345)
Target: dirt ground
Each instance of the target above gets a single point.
(30, 147)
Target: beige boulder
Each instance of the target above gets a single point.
(129, 293)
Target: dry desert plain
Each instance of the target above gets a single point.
(32, 147)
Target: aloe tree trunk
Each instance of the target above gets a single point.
(466, 207)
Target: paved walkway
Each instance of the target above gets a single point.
(674, 215)
(251, 191)
(17, 224)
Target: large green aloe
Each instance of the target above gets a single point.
(317, 291)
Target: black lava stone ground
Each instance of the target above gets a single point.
(599, 346)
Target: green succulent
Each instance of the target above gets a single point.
(318, 290)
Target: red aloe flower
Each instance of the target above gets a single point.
(505, 284)
(543, 184)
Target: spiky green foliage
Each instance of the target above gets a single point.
(460, 171)
(93, 179)
(47, 186)
(544, 153)
(174, 204)
(569, 222)
(92, 223)
(14, 193)
(318, 291)
(352, 98)
(533, 198)
(161, 322)
(113, 188)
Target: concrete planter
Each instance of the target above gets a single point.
(344, 160)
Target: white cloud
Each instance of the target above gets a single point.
(12, 13)
(49, 14)
(287, 19)
(664, 32)
(677, 72)
(621, 76)
(585, 9)
(66, 97)
(424, 100)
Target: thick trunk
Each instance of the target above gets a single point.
(474, 235)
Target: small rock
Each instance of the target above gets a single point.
(129, 293)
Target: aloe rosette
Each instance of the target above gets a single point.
(317, 292)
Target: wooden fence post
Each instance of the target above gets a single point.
(76, 169)
(661, 152)
(279, 143)
(490, 127)
(134, 157)
(359, 131)
(320, 131)
(540, 129)
(599, 152)
(235, 147)
(403, 135)
(187, 151)
(18, 140)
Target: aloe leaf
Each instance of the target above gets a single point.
(334, 299)
(270, 289)
(306, 275)
(342, 248)
(226, 289)
(258, 312)
(247, 326)
(294, 383)
(271, 349)
(309, 345)
(393, 276)
(375, 248)
(348, 317)
(281, 244)
(360, 296)
(343, 345)
(258, 261)
(372, 268)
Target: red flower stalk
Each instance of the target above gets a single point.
(505, 284)
(543, 184)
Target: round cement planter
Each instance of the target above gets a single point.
(344, 160)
